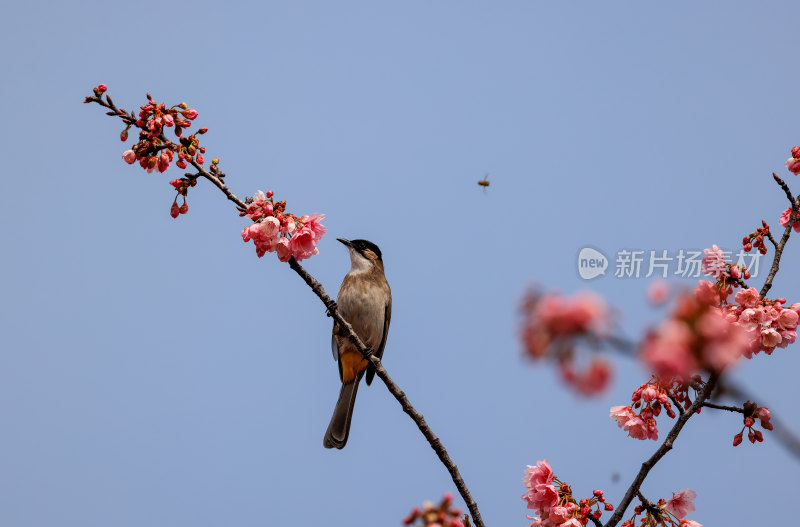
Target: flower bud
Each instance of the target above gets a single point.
(609, 507)
(174, 211)
(737, 439)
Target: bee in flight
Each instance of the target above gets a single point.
(484, 182)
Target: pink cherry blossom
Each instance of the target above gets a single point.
(793, 164)
(690, 523)
(129, 156)
(283, 250)
(537, 521)
(314, 224)
(589, 381)
(707, 293)
(639, 428)
(541, 498)
(541, 473)
(303, 244)
(558, 515)
(667, 351)
(770, 338)
(787, 337)
(784, 220)
(787, 319)
(682, 503)
(747, 297)
(622, 414)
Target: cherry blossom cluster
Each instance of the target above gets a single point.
(756, 239)
(553, 324)
(154, 151)
(553, 502)
(793, 163)
(666, 513)
(696, 335)
(275, 230)
(767, 323)
(591, 380)
(442, 515)
(639, 418)
(751, 413)
(727, 274)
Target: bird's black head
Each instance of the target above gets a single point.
(364, 248)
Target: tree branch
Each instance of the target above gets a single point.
(216, 178)
(665, 447)
(785, 238)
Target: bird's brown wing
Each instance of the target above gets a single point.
(387, 317)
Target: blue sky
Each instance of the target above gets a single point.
(155, 372)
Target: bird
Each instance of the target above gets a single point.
(365, 301)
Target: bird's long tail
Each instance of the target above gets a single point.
(339, 427)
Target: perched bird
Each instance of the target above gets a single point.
(365, 301)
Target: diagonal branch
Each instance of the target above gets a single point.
(398, 394)
(216, 178)
(665, 447)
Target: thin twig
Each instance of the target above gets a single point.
(665, 447)
(219, 184)
(784, 186)
(782, 432)
(398, 394)
(770, 238)
(723, 407)
(785, 238)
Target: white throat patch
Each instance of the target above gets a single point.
(358, 264)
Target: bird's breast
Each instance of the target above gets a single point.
(363, 305)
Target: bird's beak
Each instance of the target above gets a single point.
(345, 241)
